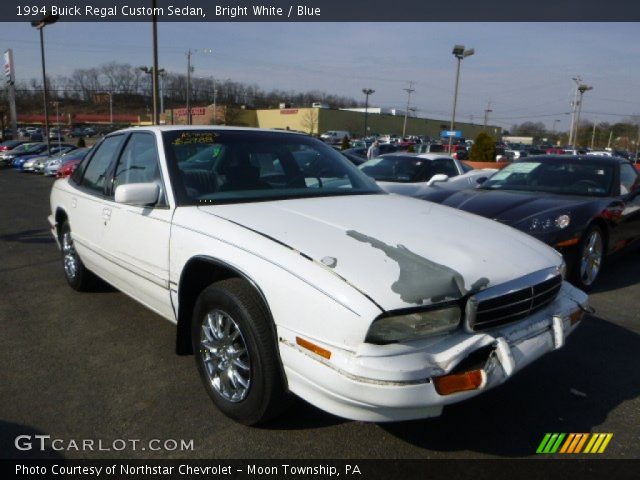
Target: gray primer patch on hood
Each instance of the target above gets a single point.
(420, 278)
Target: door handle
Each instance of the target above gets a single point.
(106, 214)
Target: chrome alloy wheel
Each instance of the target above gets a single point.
(591, 258)
(225, 356)
(69, 255)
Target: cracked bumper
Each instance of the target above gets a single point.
(394, 382)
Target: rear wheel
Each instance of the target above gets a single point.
(588, 263)
(77, 275)
(236, 353)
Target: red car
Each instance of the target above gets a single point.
(555, 151)
(67, 169)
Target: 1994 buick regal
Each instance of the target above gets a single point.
(288, 270)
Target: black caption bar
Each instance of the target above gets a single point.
(323, 469)
(325, 10)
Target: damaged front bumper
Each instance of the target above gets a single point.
(400, 381)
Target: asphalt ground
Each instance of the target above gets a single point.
(99, 366)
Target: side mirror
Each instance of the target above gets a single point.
(481, 180)
(440, 177)
(140, 194)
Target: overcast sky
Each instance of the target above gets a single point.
(524, 69)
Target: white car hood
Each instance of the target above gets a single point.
(399, 251)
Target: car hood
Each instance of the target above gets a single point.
(509, 207)
(401, 252)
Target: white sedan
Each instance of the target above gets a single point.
(287, 270)
(405, 173)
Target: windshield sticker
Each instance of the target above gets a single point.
(515, 168)
(186, 138)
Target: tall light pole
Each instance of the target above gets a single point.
(487, 111)
(460, 53)
(189, 71)
(57, 104)
(406, 112)
(581, 89)
(154, 74)
(367, 92)
(47, 19)
(574, 105)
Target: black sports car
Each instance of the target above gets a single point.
(586, 207)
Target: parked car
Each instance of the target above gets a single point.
(406, 173)
(31, 163)
(19, 163)
(358, 155)
(67, 169)
(370, 306)
(586, 207)
(334, 137)
(56, 134)
(53, 164)
(9, 156)
(10, 144)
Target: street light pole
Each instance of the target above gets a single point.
(189, 71)
(577, 80)
(487, 111)
(155, 94)
(581, 88)
(47, 19)
(367, 92)
(460, 53)
(189, 87)
(406, 112)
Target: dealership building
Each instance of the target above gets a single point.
(315, 120)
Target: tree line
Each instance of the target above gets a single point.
(624, 134)
(131, 90)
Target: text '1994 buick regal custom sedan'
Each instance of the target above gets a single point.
(286, 269)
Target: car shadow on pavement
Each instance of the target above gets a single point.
(30, 445)
(571, 390)
(303, 416)
(38, 236)
(620, 271)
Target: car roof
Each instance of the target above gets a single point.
(597, 159)
(171, 128)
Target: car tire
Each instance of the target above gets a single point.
(77, 275)
(236, 352)
(589, 258)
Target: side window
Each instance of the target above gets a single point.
(628, 178)
(445, 166)
(95, 173)
(139, 161)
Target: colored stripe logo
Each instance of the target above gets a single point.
(574, 443)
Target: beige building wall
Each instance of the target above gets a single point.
(315, 121)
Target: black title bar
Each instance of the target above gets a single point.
(325, 10)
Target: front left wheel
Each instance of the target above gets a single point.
(236, 352)
(590, 258)
(76, 274)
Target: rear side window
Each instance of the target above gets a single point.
(628, 179)
(95, 173)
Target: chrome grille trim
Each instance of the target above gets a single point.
(516, 300)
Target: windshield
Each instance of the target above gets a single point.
(569, 178)
(223, 166)
(396, 168)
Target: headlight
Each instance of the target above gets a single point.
(412, 326)
(549, 223)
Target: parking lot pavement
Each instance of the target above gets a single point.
(99, 366)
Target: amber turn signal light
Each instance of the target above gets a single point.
(458, 382)
(576, 316)
(313, 347)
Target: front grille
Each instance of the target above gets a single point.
(485, 311)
